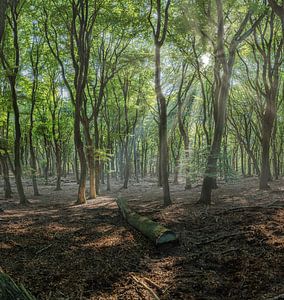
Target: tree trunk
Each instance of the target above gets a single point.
(274, 152)
(97, 157)
(136, 159)
(80, 150)
(103, 172)
(5, 169)
(267, 126)
(159, 169)
(58, 166)
(92, 178)
(17, 144)
(126, 165)
(3, 7)
(83, 19)
(163, 130)
(176, 171)
(33, 165)
(90, 158)
(76, 166)
(184, 135)
(108, 176)
(211, 168)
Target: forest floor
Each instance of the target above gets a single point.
(231, 250)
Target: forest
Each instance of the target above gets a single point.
(141, 149)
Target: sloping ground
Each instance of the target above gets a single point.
(232, 250)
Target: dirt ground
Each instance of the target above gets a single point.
(231, 250)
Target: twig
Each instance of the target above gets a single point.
(220, 238)
(274, 202)
(43, 249)
(278, 297)
(229, 250)
(240, 208)
(152, 283)
(155, 296)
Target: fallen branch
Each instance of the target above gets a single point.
(153, 230)
(155, 296)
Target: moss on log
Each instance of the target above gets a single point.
(153, 230)
(9, 290)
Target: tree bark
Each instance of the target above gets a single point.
(154, 231)
(7, 185)
(17, 145)
(3, 8)
(223, 72)
(33, 165)
(13, 72)
(267, 126)
(82, 24)
(80, 150)
(159, 35)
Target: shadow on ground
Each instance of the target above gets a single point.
(229, 251)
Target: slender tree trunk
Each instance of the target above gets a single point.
(97, 158)
(90, 154)
(249, 166)
(17, 144)
(103, 172)
(13, 72)
(274, 152)
(211, 169)
(3, 7)
(32, 153)
(267, 126)
(58, 166)
(176, 170)
(92, 177)
(33, 164)
(126, 165)
(76, 166)
(223, 72)
(46, 167)
(159, 163)
(108, 177)
(7, 185)
(83, 20)
(185, 138)
(80, 149)
(136, 160)
(163, 130)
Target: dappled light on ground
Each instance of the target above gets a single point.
(231, 250)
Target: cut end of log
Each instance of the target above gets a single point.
(167, 237)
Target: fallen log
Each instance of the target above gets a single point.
(153, 230)
(10, 290)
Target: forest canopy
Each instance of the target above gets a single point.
(126, 89)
